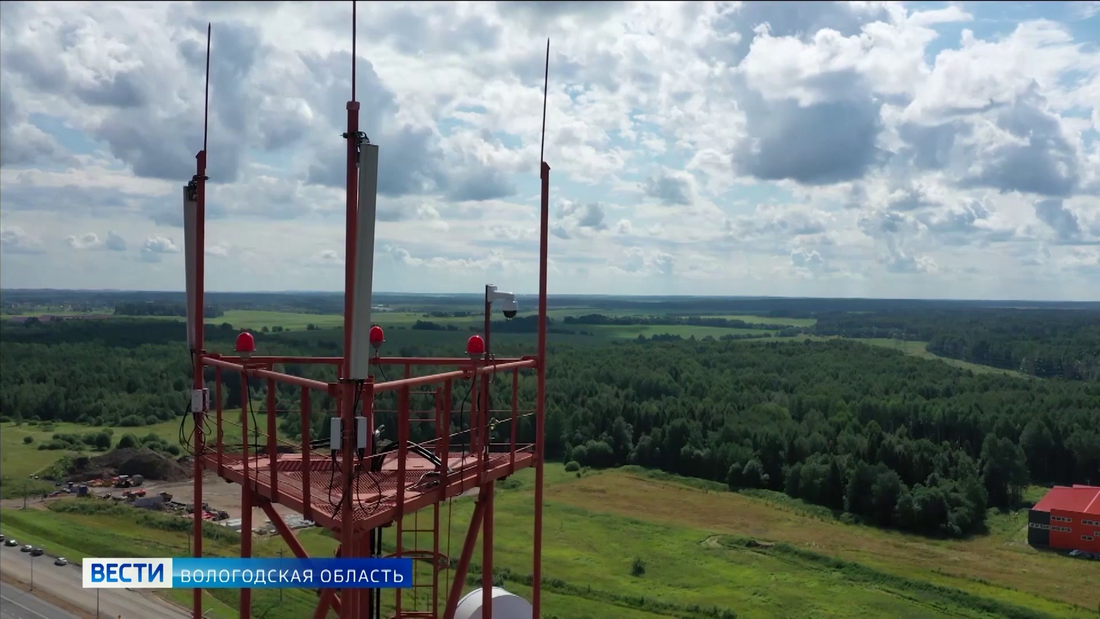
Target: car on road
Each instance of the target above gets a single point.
(2, 537)
(11, 542)
(61, 561)
(37, 552)
(26, 548)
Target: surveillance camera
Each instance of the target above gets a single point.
(510, 308)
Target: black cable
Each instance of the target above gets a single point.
(344, 491)
(462, 411)
(469, 432)
(185, 440)
(252, 414)
(331, 480)
(359, 463)
(381, 371)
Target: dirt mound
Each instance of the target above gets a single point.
(145, 462)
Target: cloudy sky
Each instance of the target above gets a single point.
(944, 150)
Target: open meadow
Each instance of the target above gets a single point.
(321, 326)
(703, 551)
(920, 349)
(19, 459)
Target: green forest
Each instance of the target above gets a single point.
(1041, 342)
(866, 431)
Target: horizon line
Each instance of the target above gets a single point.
(592, 295)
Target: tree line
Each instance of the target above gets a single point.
(519, 324)
(1040, 342)
(162, 308)
(697, 321)
(892, 439)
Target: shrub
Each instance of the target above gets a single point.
(27, 440)
(570, 467)
(637, 567)
(580, 454)
(102, 441)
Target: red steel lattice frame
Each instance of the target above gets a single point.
(305, 481)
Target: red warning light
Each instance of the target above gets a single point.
(475, 347)
(377, 337)
(246, 343)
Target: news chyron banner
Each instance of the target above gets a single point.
(218, 573)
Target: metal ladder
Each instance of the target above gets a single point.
(424, 590)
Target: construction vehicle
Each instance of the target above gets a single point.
(122, 481)
(155, 501)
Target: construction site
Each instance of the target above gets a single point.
(398, 449)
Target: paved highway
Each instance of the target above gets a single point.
(18, 604)
(65, 584)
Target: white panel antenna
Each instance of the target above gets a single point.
(190, 257)
(360, 354)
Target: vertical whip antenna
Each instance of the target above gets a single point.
(353, 37)
(206, 94)
(545, 90)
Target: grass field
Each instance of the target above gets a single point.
(298, 322)
(770, 320)
(999, 566)
(258, 319)
(684, 331)
(920, 349)
(19, 460)
(45, 310)
(693, 545)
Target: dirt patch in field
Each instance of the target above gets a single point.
(218, 495)
(150, 464)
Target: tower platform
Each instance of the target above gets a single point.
(314, 487)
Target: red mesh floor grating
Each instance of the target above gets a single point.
(374, 494)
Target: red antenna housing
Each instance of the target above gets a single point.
(377, 336)
(475, 346)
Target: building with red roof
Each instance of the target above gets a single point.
(1068, 518)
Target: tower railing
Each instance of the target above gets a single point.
(386, 484)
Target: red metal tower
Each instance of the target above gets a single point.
(352, 488)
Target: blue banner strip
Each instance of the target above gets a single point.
(217, 573)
